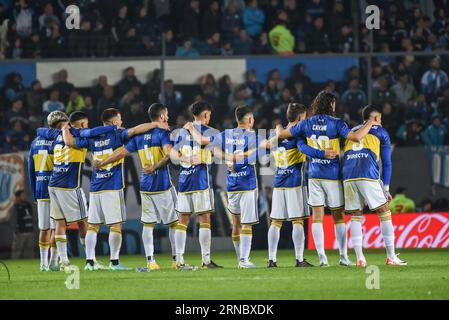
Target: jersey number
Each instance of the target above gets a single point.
(104, 154)
(322, 142)
(188, 151)
(43, 157)
(282, 158)
(61, 155)
(148, 155)
(357, 146)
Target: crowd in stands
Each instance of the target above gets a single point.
(191, 28)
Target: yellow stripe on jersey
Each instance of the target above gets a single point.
(151, 155)
(66, 154)
(43, 161)
(104, 155)
(370, 142)
(324, 142)
(286, 158)
(204, 154)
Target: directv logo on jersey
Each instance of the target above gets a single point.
(42, 178)
(102, 143)
(239, 142)
(357, 156)
(238, 174)
(104, 175)
(319, 128)
(320, 161)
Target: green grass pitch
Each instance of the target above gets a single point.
(426, 277)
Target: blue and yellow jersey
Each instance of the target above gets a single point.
(289, 161)
(110, 177)
(361, 159)
(40, 167)
(321, 132)
(244, 141)
(194, 177)
(150, 149)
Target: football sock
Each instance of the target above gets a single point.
(43, 249)
(318, 236)
(91, 241)
(246, 237)
(171, 236)
(387, 229)
(342, 237)
(83, 243)
(357, 236)
(236, 243)
(115, 242)
(205, 240)
(53, 255)
(273, 239)
(180, 242)
(147, 238)
(61, 244)
(298, 239)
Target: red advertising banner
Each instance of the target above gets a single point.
(412, 230)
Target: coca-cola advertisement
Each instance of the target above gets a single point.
(412, 230)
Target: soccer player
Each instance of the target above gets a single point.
(322, 131)
(106, 198)
(195, 193)
(40, 168)
(156, 189)
(239, 144)
(362, 182)
(67, 199)
(289, 190)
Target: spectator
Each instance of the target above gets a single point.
(120, 26)
(170, 45)
(47, 18)
(53, 104)
(433, 80)
(107, 100)
(270, 10)
(23, 15)
(344, 39)
(403, 90)
(253, 18)
(17, 113)
(226, 48)
(128, 81)
(21, 215)
(383, 94)
(409, 134)
(426, 206)
(97, 91)
(172, 99)
(99, 45)
(91, 111)
(76, 102)
(190, 24)
(401, 203)
(16, 138)
(32, 48)
(262, 46)
(241, 96)
(281, 39)
(144, 24)
(271, 93)
(418, 110)
(435, 134)
(212, 45)
(230, 22)
(353, 98)
(294, 15)
(63, 86)
(315, 8)
(210, 22)
(16, 51)
(443, 104)
(389, 120)
(35, 98)
(80, 40)
(443, 41)
(253, 86)
(317, 39)
(187, 50)
(134, 115)
(301, 96)
(243, 44)
(13, 86)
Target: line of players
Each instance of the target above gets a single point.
(58, 153)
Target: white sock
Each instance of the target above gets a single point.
(298, 240)
(91, 243)
(273, 240)
(342, 238)
(387, 229)
(236, 243)
(205, 240)
(147, 239)
(171, 236)
(43, 249)
(83, 243)
(357, 238)
(318, 237)
(245, 244)
(115, 242)
(180, 242)
(61, 244)
(53, 256)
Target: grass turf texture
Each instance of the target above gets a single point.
(426, 277)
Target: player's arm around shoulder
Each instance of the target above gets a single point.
(144, 127)
(360, 133)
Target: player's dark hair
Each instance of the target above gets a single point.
(197, 107)
(322, 104)
(241, 112)
(368, 110)
(155, 110)
(77, 116)
(108, 114)
(294, 110)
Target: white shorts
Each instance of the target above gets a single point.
(326, 193)
(107, 208)
(357, 192)
(157, 207)
(196, 202)
(68, 205)
(289, 204)
(43, 215)
(245, 205)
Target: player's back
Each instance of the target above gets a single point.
(361, 159)
(289, 161)
(150, 148)
(41, 166)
